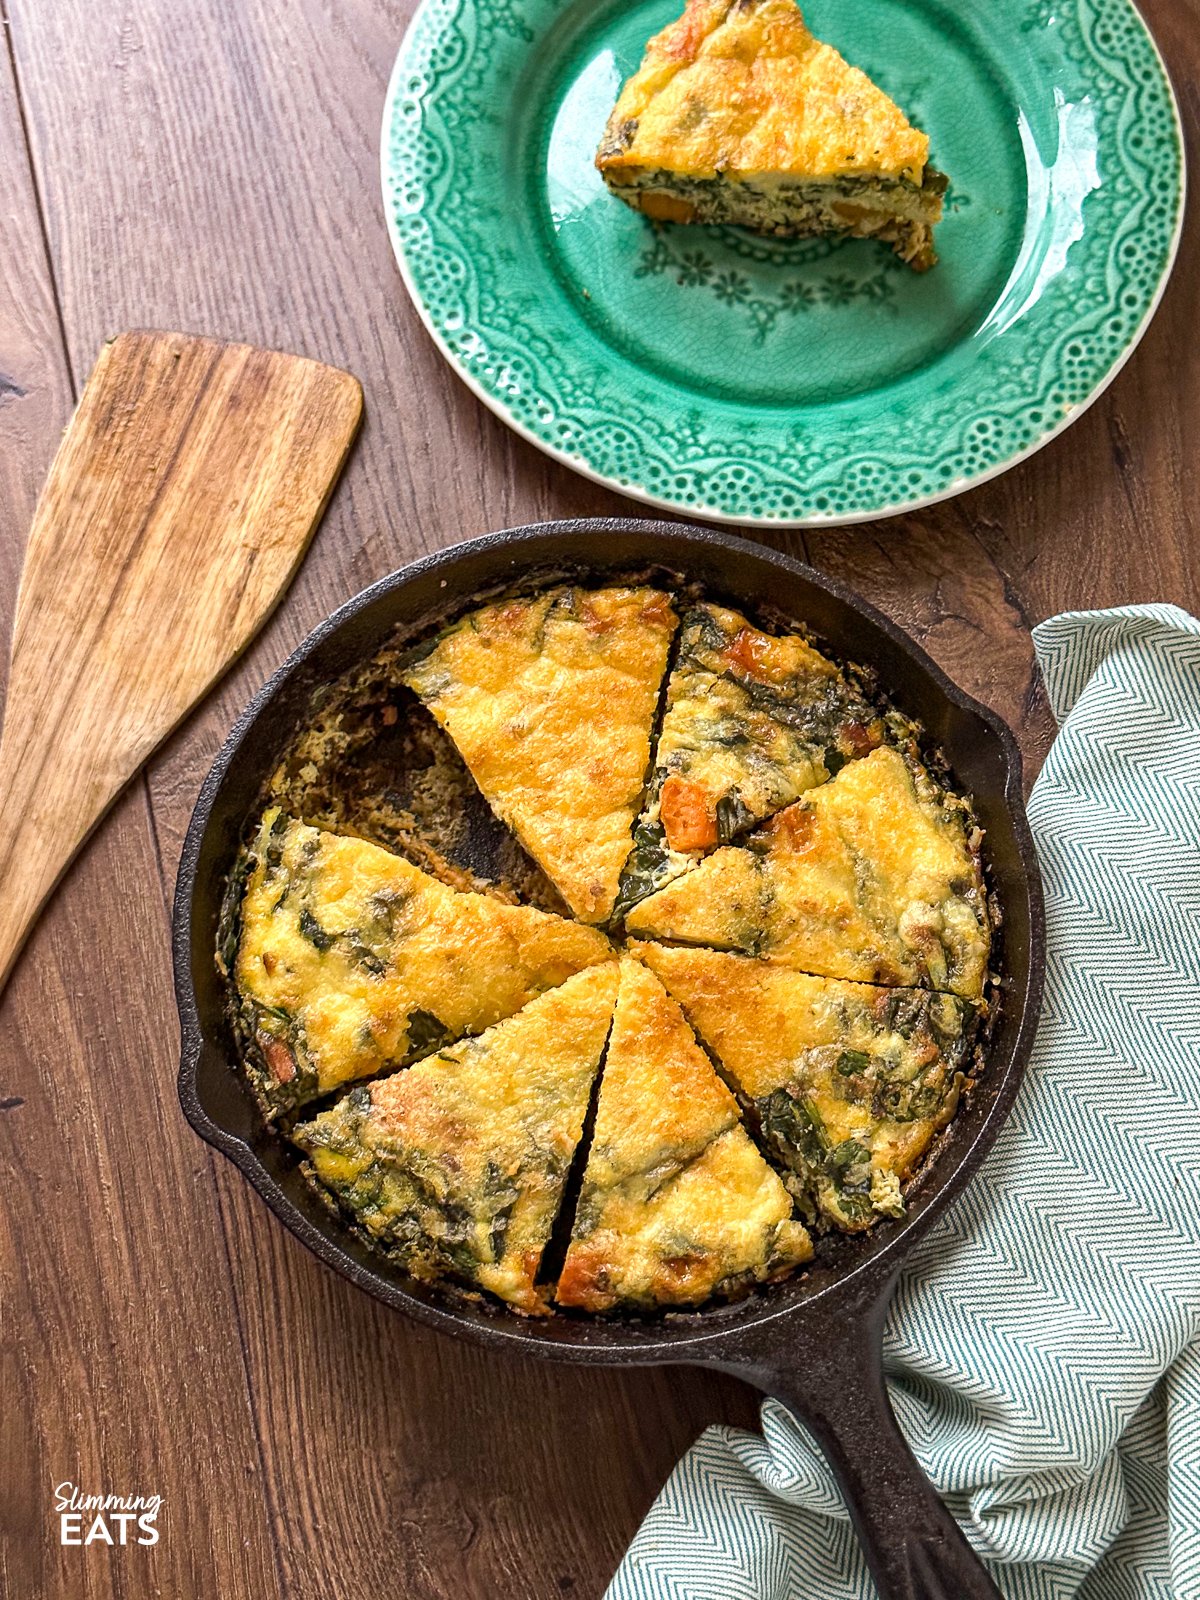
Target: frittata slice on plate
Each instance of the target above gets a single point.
(738, 115)
(551, 701)
(456, 1166)
(676, 1204)
(873, 877)
(350, 960)
(850, 1082)
(752, 721)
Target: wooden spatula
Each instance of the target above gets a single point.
(179, 505)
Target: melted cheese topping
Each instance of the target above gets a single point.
(864, 879)
(741, 88)
(850, 1082)
(457, 1165)
(676, 1203)
(351, 960)
(551, 702)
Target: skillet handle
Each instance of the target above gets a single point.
(912, 1544)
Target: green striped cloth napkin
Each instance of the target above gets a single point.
(1042, 1350)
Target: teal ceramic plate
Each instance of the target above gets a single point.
(766, 381)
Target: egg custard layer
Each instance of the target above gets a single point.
(738, 115)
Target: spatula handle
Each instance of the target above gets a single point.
(41, 829)
(22, 893)
(913, 1546)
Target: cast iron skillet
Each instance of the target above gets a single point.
(814, 1342)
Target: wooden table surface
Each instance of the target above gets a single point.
(212, 166)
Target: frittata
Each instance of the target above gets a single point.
(456, 1166)
(738, 115)
(874, 877)
(350, 960)
(677, 1204)
(752, 721)
(849, 1082)
(551, 701)
(782, 1014)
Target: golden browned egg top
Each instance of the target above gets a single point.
(350, 960)
(742, 87)
(872, 877)
(551, 702)
(850, 1082)
(676, 1204)
(456, 1166)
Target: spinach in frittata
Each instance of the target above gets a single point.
(752, 721)
(348, 960)
(456, 1166)
(676, 1204)
(874, 877)
(849, 1082)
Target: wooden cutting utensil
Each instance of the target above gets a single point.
(180, 503)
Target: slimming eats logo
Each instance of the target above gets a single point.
(105, 1518)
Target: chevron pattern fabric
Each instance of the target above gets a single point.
(1042, 1351)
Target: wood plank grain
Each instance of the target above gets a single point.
(35, 382)
(35, 399)
(119, 1332)
(112, 1348)
(388, 1475)
(214, 167)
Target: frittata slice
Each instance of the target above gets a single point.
(738, 115)
(874, 877)
(850, 1082)
(677, 1204)
(350, 960)
(551, 701)
(456, 1166)
(752, 721)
